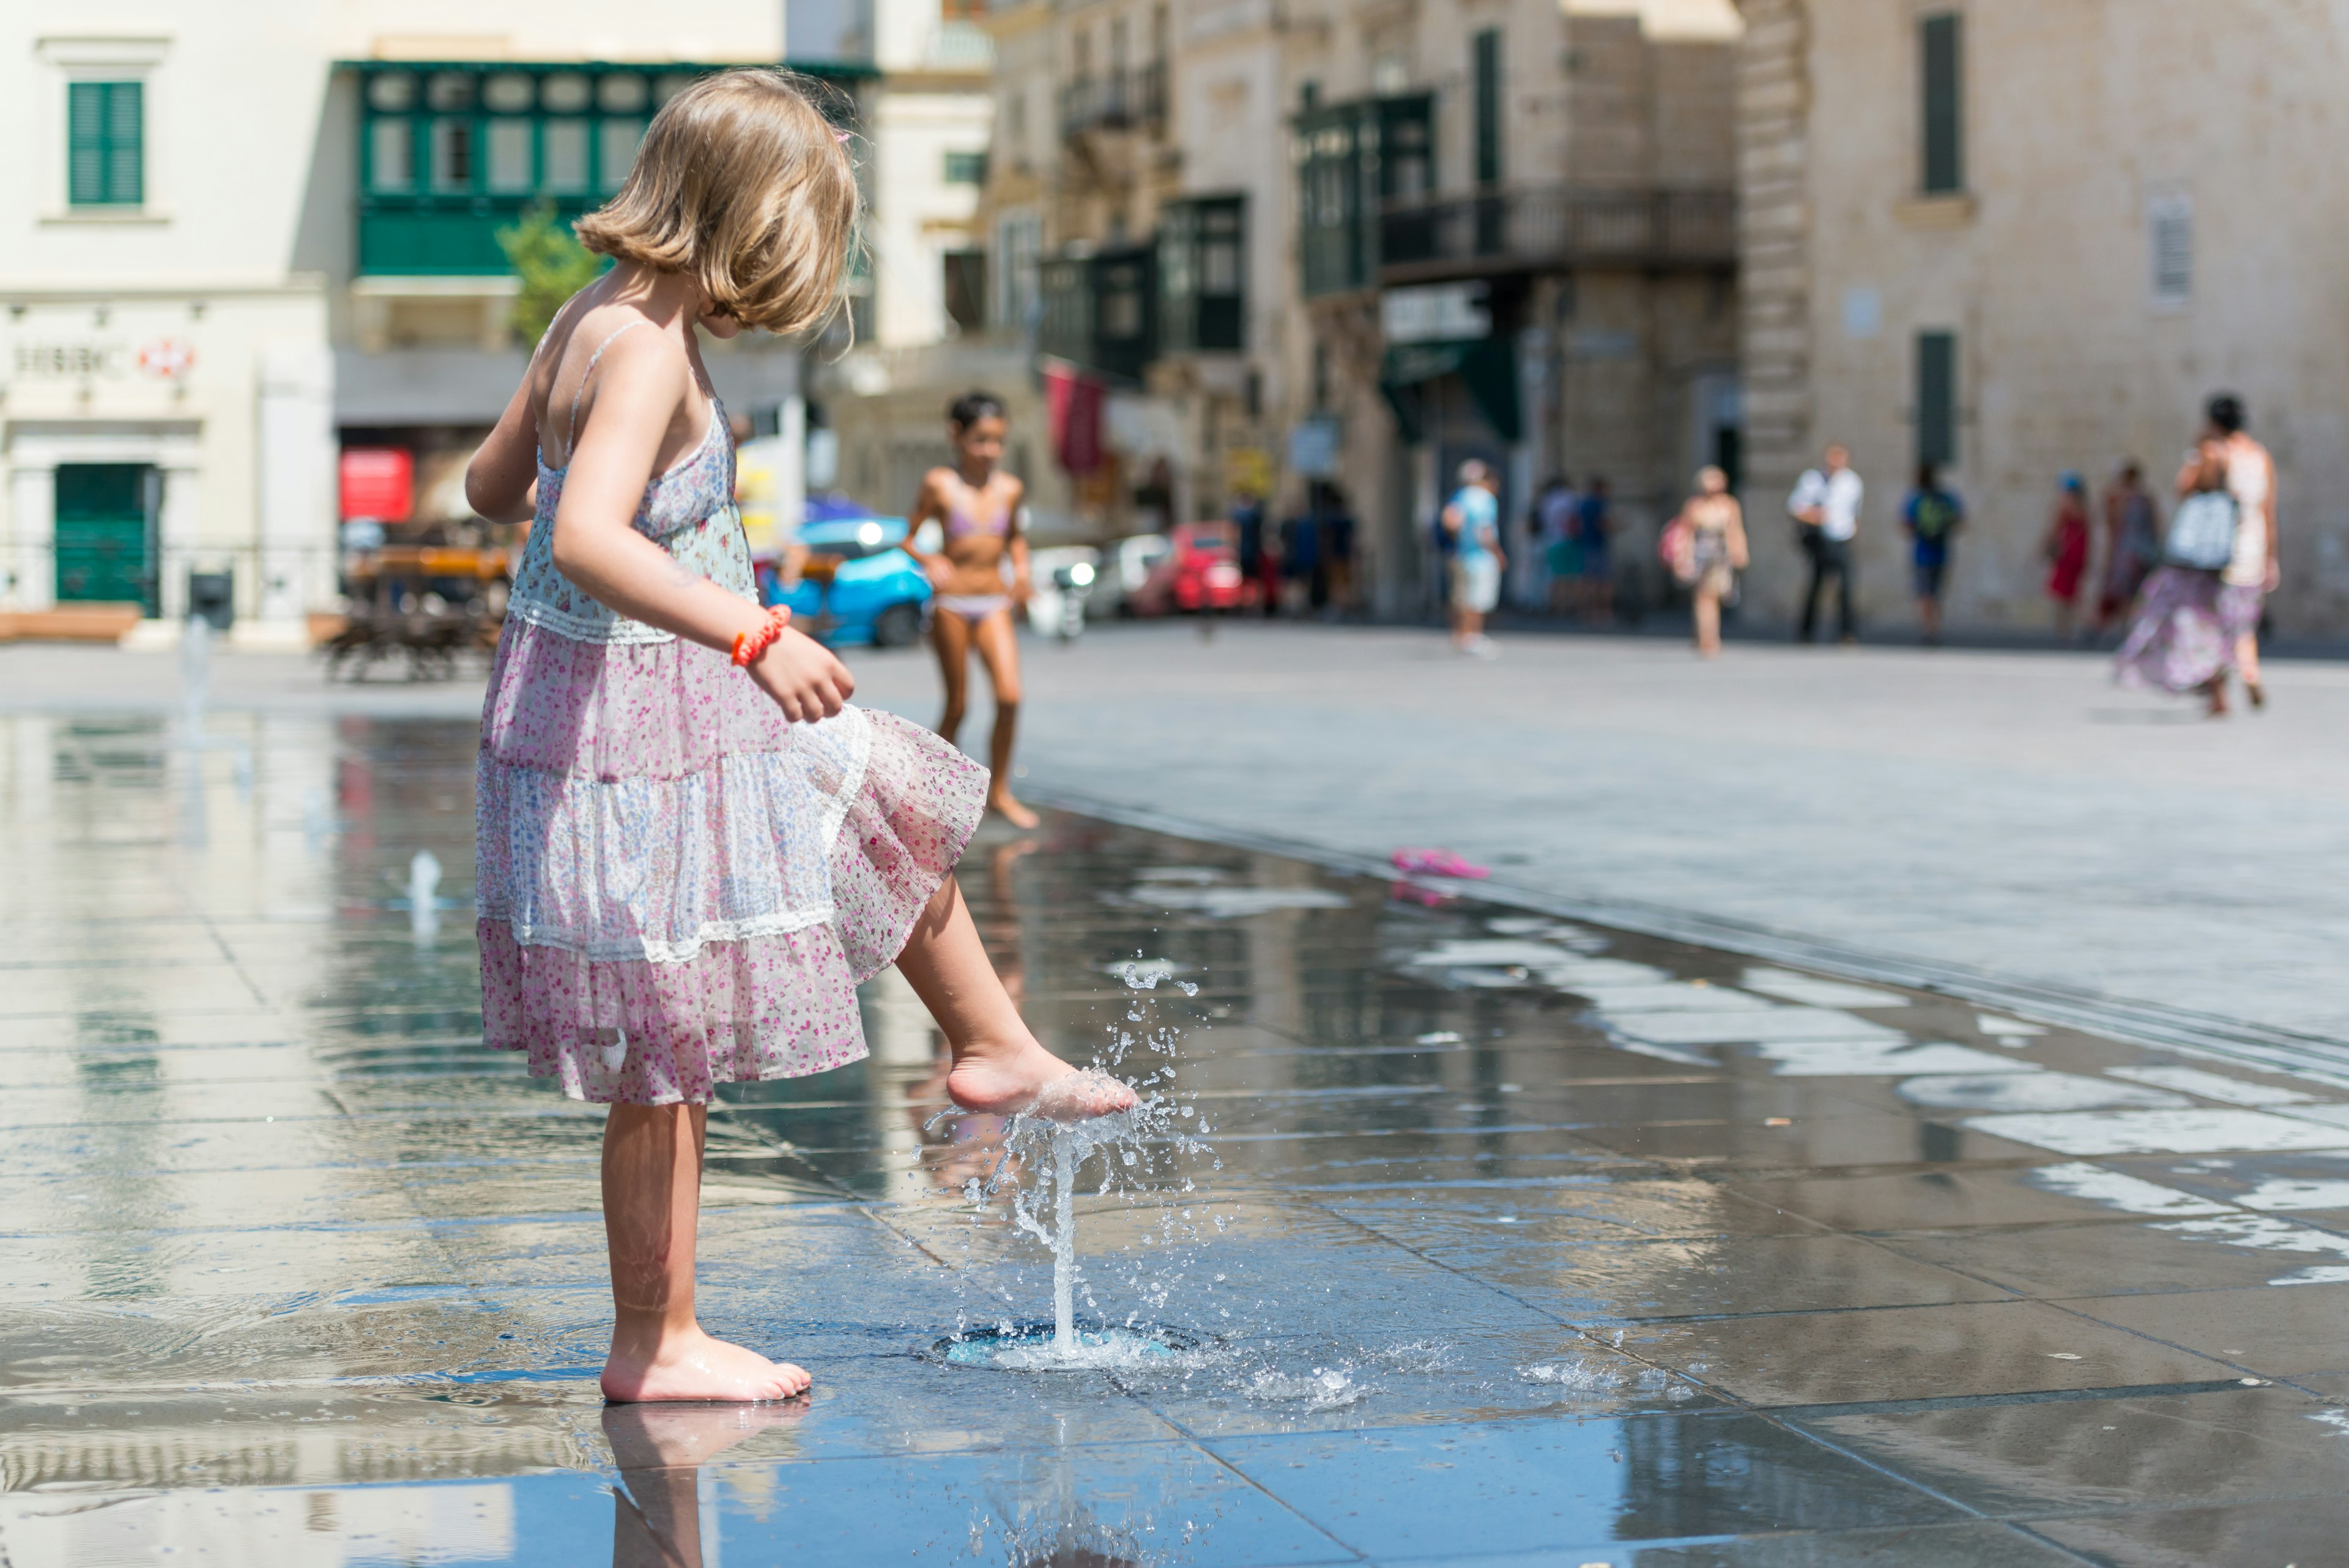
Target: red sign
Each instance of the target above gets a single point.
(378, 482)
(1073, 405)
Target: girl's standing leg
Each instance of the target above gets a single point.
(652, 1211)
(999, 1066)
(950, 635)
(998, 650)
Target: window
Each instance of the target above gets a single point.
(1354, 161)
(1943, 75)
(566, 157)
(1487, 68)
(452, 155)
(2169, 230)
(391, 156)
(966, 288)
(104, 144)
(617, 154)
(1937, 397)
(510, 157)
(1019, 246)
(449, 154)
(966, 168)
(1201, 274)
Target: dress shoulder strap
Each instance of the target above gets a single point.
(571, 435)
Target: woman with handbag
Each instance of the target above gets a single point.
(2179, 642)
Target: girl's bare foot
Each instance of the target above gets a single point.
(691, 1366)
(1003, 805)
(1027, 1077)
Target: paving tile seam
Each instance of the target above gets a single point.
(2314, 1057)
(2252, 1373)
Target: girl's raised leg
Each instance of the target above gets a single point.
(950, 636)
(998, 650)
(652, 1211)
(999, 1066)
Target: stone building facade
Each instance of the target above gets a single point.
(1191, 205)
(2027, 236)
(239, 241)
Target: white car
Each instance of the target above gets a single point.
(1124, 567)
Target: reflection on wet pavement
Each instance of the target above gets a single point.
(1490, 1234)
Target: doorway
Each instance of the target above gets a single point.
(105, 523)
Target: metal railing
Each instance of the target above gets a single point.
(1552, 226)
(1117, 100)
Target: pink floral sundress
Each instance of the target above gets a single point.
(674, 888)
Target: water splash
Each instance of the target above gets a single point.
(1140, 1154)
(423, 896)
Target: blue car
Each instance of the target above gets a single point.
(857, 588)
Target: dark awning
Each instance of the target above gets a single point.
(1488, 365)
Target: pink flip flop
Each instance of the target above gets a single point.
(1437, 863)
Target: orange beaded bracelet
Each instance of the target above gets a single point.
(750, 645)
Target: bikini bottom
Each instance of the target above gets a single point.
(972, 607)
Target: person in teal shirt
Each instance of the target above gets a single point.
(1471, 522)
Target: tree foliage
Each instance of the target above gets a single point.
(550, 263)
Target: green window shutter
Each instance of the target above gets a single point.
(1488, 106)
(104, 144)
(1944, 75)
(1937, 397)
(126, 143)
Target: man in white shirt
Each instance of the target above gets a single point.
(1825, 509)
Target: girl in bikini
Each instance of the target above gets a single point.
(978, 507)
(691, 847)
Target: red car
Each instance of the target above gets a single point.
(1201, 571)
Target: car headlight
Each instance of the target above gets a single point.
(1081, 575)
(869, 535)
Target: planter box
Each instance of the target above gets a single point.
(69, 623)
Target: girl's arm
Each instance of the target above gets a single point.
(1737, 556)
(2275, 562)
(928, 506)
(1016, 542)
(502, 482)
(597, 547)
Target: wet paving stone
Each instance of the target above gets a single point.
(1492, 1237)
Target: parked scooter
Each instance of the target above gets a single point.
(1075, 581)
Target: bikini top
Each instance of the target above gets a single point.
(962, 521)
(688, 509)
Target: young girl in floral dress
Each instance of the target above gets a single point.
(691, 847)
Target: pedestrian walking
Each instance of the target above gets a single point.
(1705, 547)
(1259, 557)
(2132, 545)
(1471, 522)
(1338, 545)
(1825, 508)
(1301, 561)
(2253, 571)
(691, 847)
(1561, 551)
(1594, 533)
(979, 510)
(2177, 642)
(1932, 514)
(2065, 549)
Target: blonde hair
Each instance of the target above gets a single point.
(743, 185)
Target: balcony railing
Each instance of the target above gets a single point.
(1556, 226)
(1119, 101)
